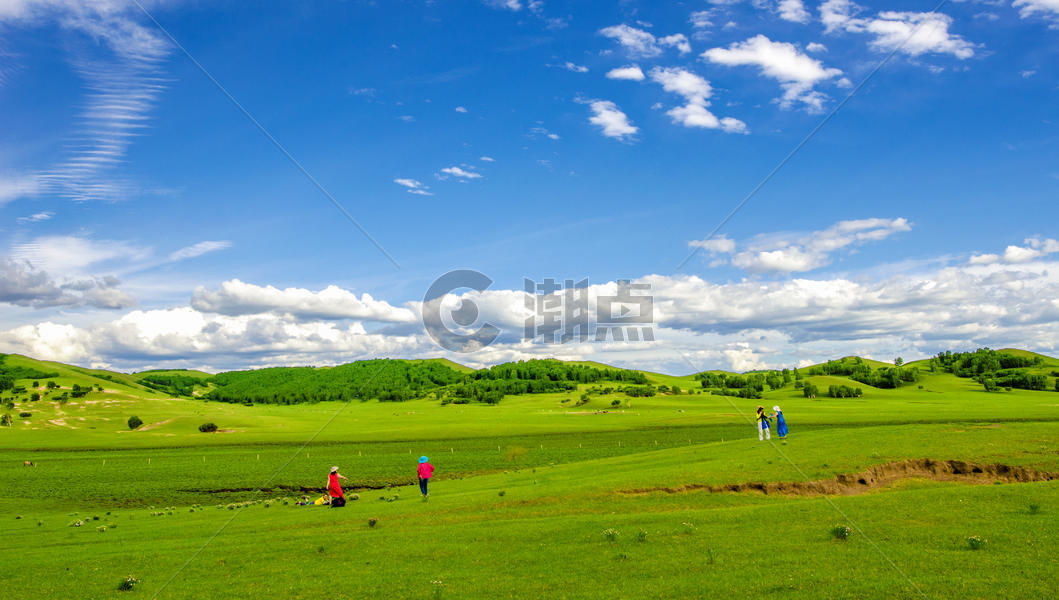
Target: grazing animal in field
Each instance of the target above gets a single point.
(28, 463)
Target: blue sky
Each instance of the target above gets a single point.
(145, 221)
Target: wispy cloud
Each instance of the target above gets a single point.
(17, 185)
(799, 252)
(121, 70)
(35, 218)
(640, 43)
(413, 186)
(458, 172)
(199, 249)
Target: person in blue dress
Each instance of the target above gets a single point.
(781, 423)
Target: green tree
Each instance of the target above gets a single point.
(899, 361)
(134, 422)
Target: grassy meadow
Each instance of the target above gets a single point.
(533, 497)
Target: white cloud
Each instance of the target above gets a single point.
(199, 249)
(512, 5)
(487, 159)
(569, 66)
(123, 79)
(700, 19)
(793, 11)
(458, 172)
(696, 91)
(1034, 249)
(413, 186)
(36, 217)
(236, 298)
(741, 325)
(22, 284)
(640, 43)
(815, 47)
(407, 118)
(15, 186)
(800, 252)
(984, 259)
(1046, 8)
(609, 118)
(72, 256)
(1027, 73)
(636, 42)
(631, 73)
(796, 72)
(678, 41)
(460, 109)
(720, 244)
(912, 33)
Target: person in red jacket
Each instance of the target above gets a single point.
(334, 489)
(425, 470)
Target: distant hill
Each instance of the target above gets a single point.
(449, 381)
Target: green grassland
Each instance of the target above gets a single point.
(524, 492)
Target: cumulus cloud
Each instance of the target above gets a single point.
(797, 73)
(413, 186)
(612, 122)
(455, 171)
(1034, 249)
(800, 252)
(23, 285)
(177, 335)
(640, 43)
(236, 298)
(911, 33)
(740, 325)
(199, 249)
(696, 92)
(815, 47)
(631, 73)
(460, 109)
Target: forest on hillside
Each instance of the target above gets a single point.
(393, 380)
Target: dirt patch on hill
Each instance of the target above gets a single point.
(156, 425)
(876, 477)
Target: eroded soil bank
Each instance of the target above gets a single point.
(876, 477)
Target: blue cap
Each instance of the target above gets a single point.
(422, 459)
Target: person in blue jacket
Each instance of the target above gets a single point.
(781, 423)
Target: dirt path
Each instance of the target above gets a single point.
(876, 477)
